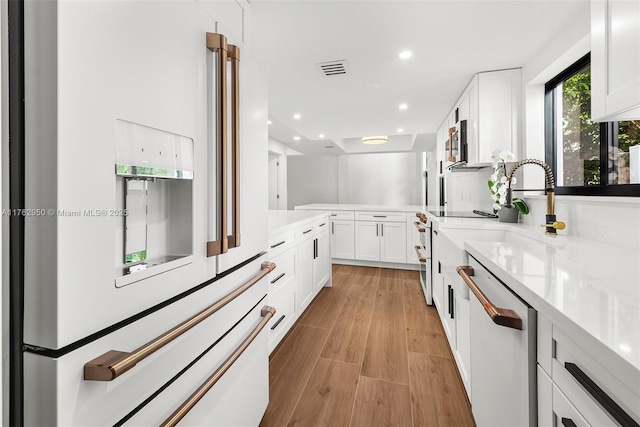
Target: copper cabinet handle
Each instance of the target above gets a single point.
(114, 363)
(419, 227)
(420, 257)
(218, 43)
(500, 316)
(234, 58)
(266, 313)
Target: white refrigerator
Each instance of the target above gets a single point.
(144, 166)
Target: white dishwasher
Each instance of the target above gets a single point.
(503, 352)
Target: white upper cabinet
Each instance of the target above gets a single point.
(491, 105)
(495, 100)
(615, 60)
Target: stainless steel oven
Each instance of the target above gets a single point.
(424, 256)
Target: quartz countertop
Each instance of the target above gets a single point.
(279, 221)
(588, 289)
(348, 207)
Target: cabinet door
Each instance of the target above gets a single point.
(367, 241)
(498, 112)
(449, 313)
(615, 59)
(322, 262)
(304, 292)
(463, 339)
(393, 242)
(342, 239)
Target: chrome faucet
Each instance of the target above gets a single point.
(550, 223)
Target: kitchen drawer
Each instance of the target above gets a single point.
(305, 232)
(343, 215)
(281, 242)
(99, 403)
(322, 225)
(239, 398)
(565, 414)
(381, 216)
(284, 302)
(285, 270)
(573, 367)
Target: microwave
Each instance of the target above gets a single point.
(457, 147)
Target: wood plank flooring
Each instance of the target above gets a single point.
(367, 352)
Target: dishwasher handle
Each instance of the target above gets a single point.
(500, 316)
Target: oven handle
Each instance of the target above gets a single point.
(500, 316)
(420, 257)
(419, 227)
(266, 313)
(114, 363)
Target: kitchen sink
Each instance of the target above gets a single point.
(459, 235)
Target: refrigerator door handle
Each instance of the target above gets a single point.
(234, 59)
(217, 43)
(114, 363)
(267, 313)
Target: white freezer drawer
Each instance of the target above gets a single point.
(239, 398)
(57, 394)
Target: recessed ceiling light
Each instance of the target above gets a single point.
(400, 130)
(268, 122)
(405, 54)
(403, 106)
(296, 138)
(296, 116)
(321, 135)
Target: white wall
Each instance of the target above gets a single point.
(312, 179)
(391, 179)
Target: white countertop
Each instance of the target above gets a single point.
(279, 221)
(344, 207)
(588, 289)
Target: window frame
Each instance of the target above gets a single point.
(607, 132)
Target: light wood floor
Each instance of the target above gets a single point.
(367, 352)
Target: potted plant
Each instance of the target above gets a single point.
(498, 186)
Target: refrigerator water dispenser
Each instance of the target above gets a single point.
(154, 192)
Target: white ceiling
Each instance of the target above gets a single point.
(450, 41)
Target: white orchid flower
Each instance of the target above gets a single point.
(514, 180)
(506, 156)
(496, 207)
(502, 190)
(503, 180)
(494, 176)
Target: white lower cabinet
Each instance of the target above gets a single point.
(381, 241)
(305, 273)
(393, 242)
(303, 267)
(342, 239)
(367, 241)
(321, 261)
(463, 339)
(576, 388)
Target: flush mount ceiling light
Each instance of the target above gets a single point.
(400, 130)
(405, 54)
(403, 106)
(321, 135)
(374, 139)
(296, 138)
(269, 122)
(296, 116)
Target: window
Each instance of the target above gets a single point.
(588, 158)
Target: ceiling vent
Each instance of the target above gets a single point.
(334, 68)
